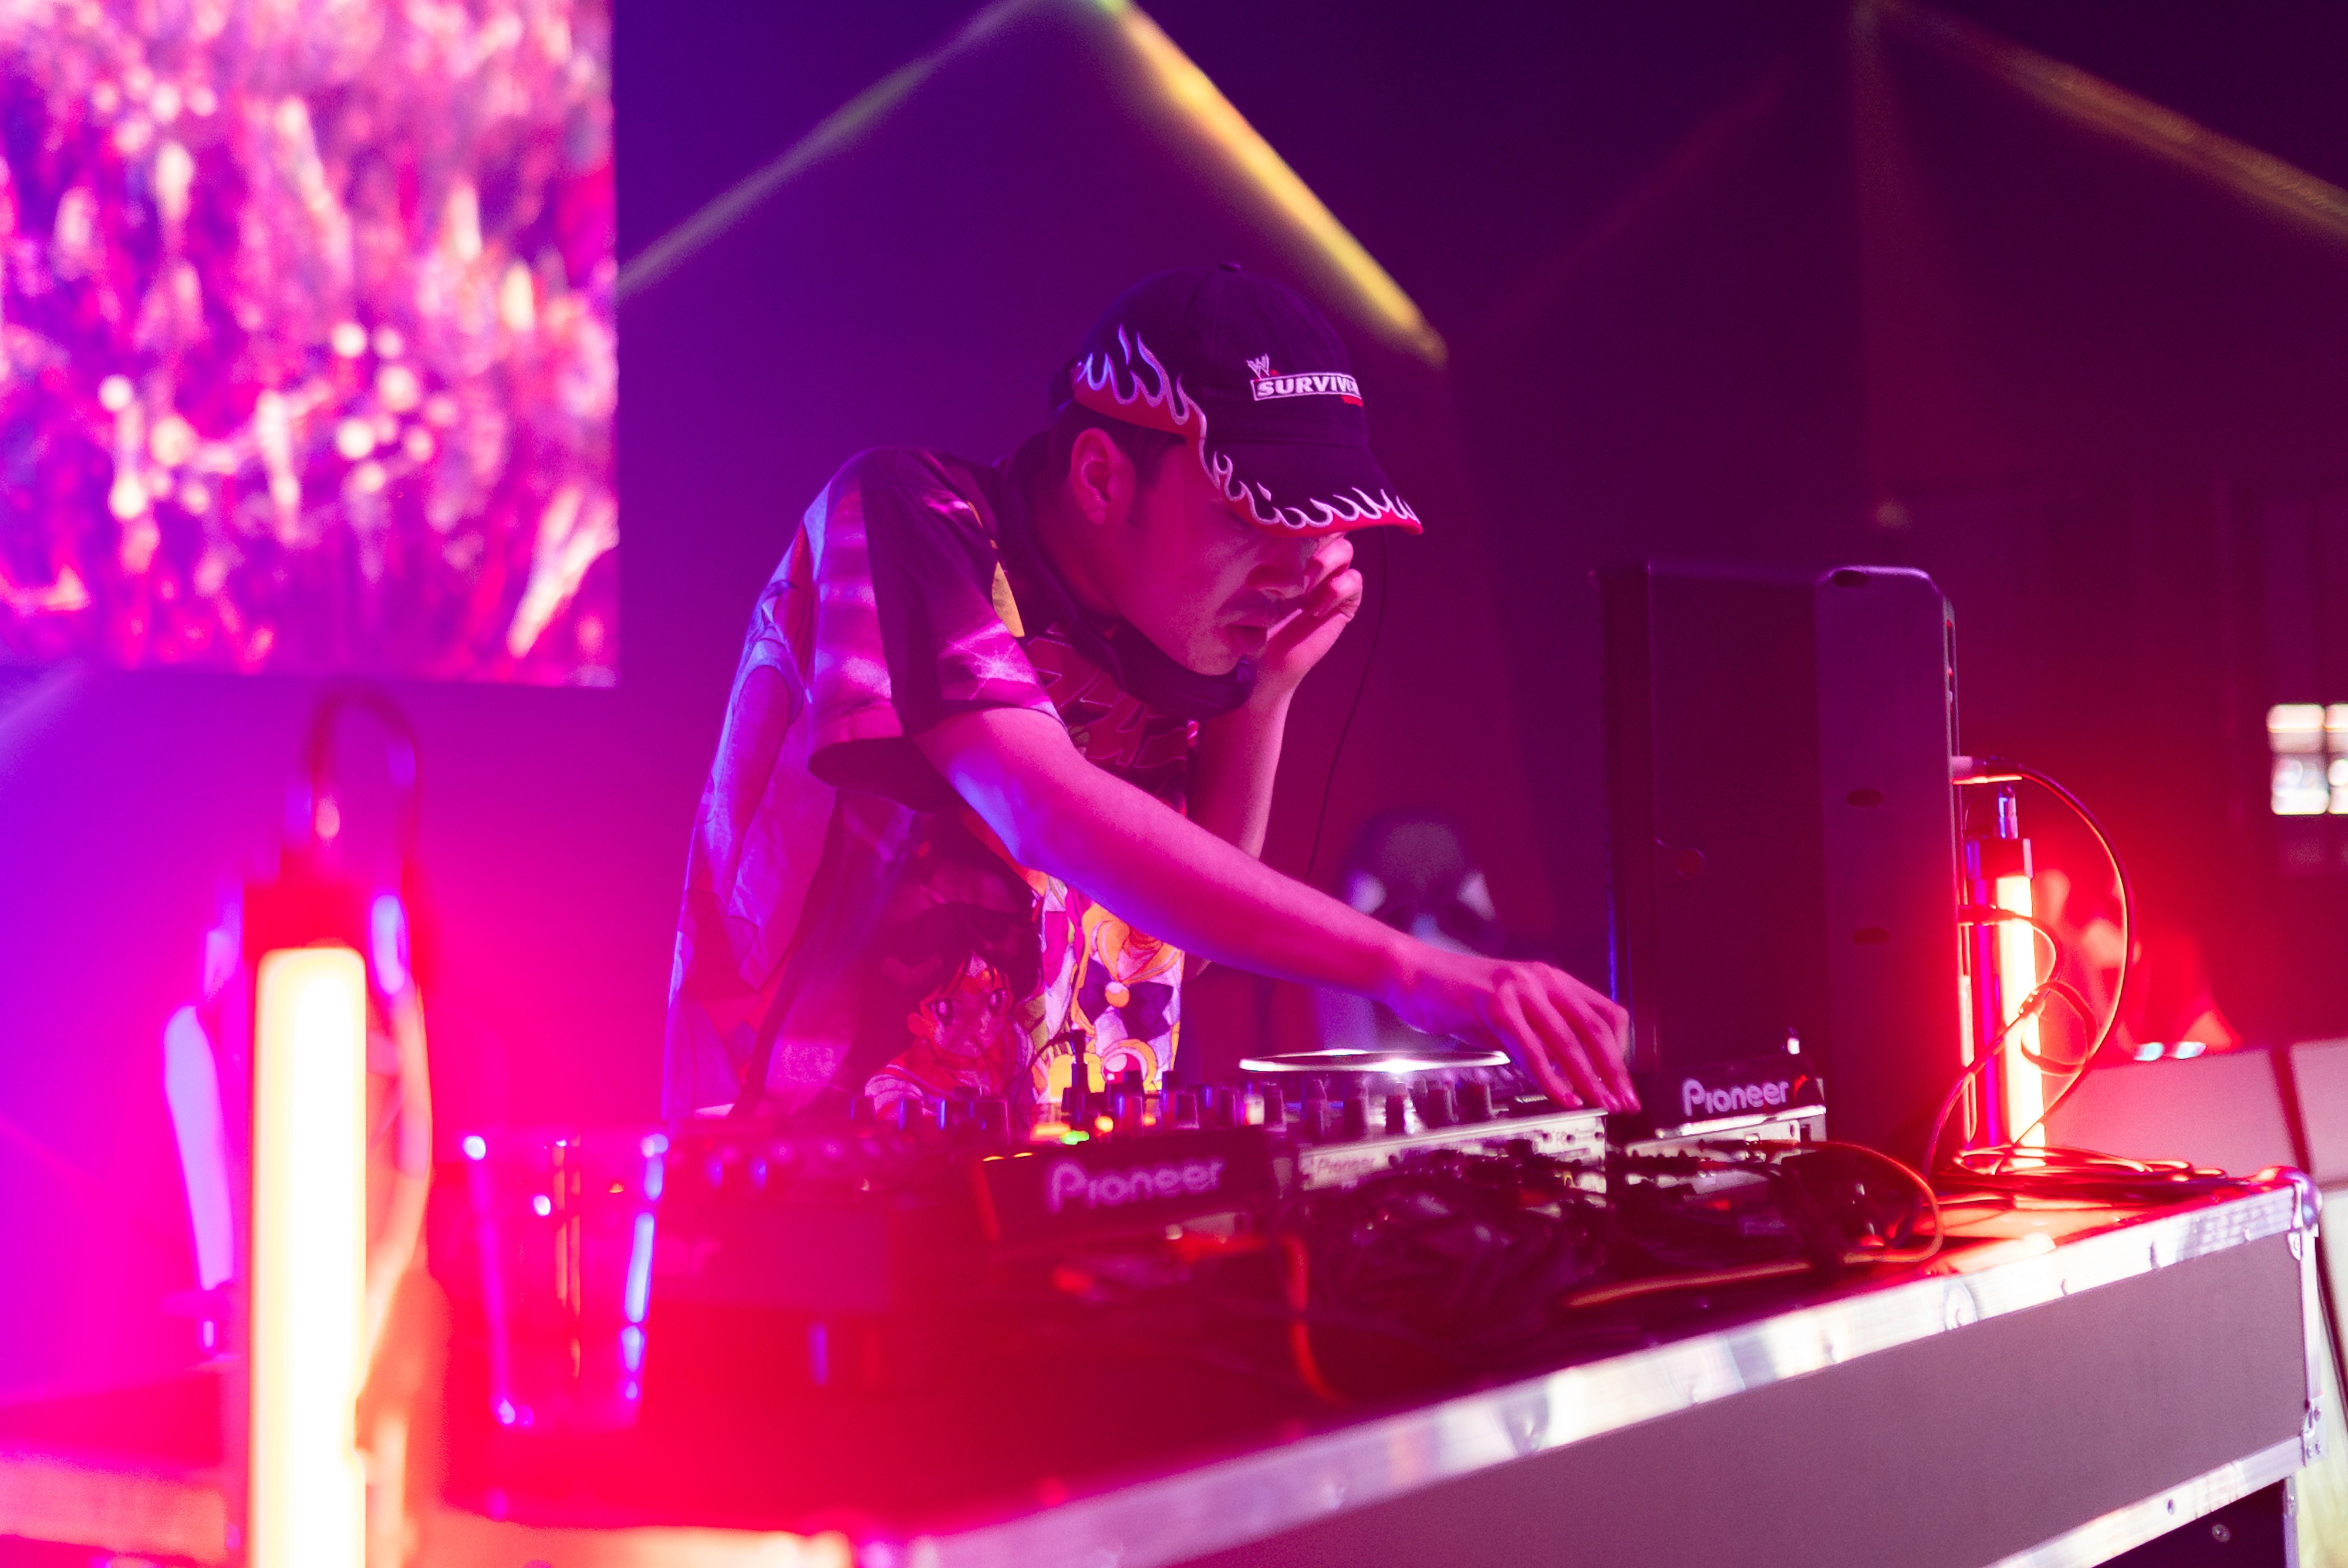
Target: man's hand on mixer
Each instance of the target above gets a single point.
(1571, 1037)
(1058, 814)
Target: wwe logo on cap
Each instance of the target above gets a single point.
(1318, 384)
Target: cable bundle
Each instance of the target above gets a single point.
(1804, 1208)
(1469, 1252)
(1453, 1263)
(2083, 1175)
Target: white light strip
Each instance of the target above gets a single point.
(309, 1259)
(191, 1088)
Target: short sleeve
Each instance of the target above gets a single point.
(907, 626)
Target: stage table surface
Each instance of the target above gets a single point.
(2062, 1384)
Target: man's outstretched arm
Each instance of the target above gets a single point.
(1057, 812)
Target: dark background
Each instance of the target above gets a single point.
(1787, 283)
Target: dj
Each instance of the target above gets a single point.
(999, 754)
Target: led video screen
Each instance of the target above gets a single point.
(307, 357)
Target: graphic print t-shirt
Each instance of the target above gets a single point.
(850, 925)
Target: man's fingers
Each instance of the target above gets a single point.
(1340, 594)
(1602, 1031)
(1535, 1050)
(1618, 1060)
(1570, 1049)
(1310, 630)
(1589, 1035)
(1548, 1040)
(1571, 1039)
(1605, 1027)
(1334, 555)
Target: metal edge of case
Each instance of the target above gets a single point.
(2126, 1528)
(2315, 1326)
(1251, 1497)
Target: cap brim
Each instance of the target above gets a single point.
(1308, 488)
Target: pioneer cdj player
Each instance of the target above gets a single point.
(878, 1246)
(1783, 850)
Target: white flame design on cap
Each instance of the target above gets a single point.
(1119, 391)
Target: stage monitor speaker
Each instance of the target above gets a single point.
(2225, 1111)
(1784, 843)
(2320, 1072)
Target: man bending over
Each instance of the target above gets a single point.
(999, 750)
